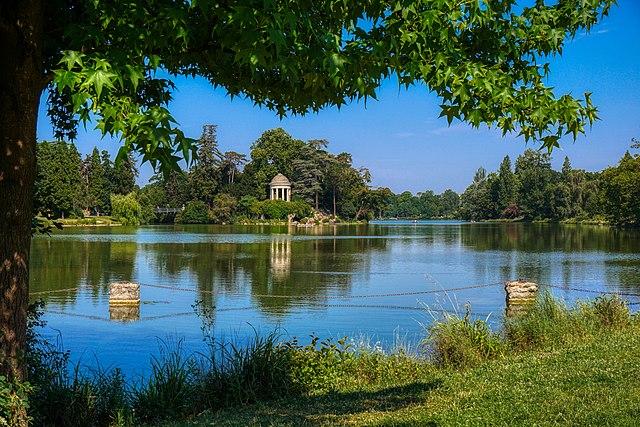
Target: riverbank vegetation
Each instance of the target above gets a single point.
(231, 187)
(463, 370)
(533, 191)
(220, 187)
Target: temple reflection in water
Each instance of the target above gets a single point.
(280, 256)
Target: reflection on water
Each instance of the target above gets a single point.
(310, 280)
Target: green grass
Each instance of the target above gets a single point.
(89, 221)
(552, 365)
(81, 222)
(596, 382)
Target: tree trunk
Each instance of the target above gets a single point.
(21, 84)
(334, 202)
(316, 200)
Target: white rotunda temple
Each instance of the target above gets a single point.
(280, 188)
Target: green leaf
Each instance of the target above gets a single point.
(99, 79)
(65, 79)
(71, 58)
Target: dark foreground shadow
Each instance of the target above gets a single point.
(328, 409)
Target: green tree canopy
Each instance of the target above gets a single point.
(96, 184)
(274, 152)
(504, 187)
(622, 190)
(204, 177)
(58, 182)
(126, 209)
(112, 63)
(309, 171)
(449, 202)
(123, 175)
(535, 175)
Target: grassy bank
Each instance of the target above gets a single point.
(90, 221)
(551, 365)
(592, 383)
(568, 221)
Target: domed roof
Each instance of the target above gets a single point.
(280, 179)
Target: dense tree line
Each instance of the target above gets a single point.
(69, 186)
(218, 187)
(221, 187)
(532, 190)
(423, 205)
(230, 185)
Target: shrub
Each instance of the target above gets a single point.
(607, 311)
(126, 209)
(249, 206)
(300, 209)
(169, 392)
(224, 207)
(13, 403)
(195, 212)
(150, 196)
(460, 343)
(279, 209)
(274, 209)
(323, 367)
(546, 323)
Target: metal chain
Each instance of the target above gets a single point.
(593, 291)
(311, 304)
(395, 294)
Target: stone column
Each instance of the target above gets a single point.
(124, 301)
(520, 296)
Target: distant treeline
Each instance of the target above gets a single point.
(230, 186)
(534, 191)
(68, 186)
(218, 187)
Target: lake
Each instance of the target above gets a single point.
(383, 281)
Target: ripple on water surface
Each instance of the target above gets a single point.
(380, 280)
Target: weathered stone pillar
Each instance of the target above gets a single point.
(124, 313)
(521, 294)
(124, 301)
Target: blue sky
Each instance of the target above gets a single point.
(400, 138)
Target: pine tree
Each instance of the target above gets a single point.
(124, 176)
(309, 171)
(97, 184)
(566, 168)
(58, 180)
(505, 187)
(231, 163)
(534, 173)
(204, 177)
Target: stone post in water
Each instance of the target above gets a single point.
(124, 301)
(521, 294)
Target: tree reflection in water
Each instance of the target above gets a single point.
(303, 266)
